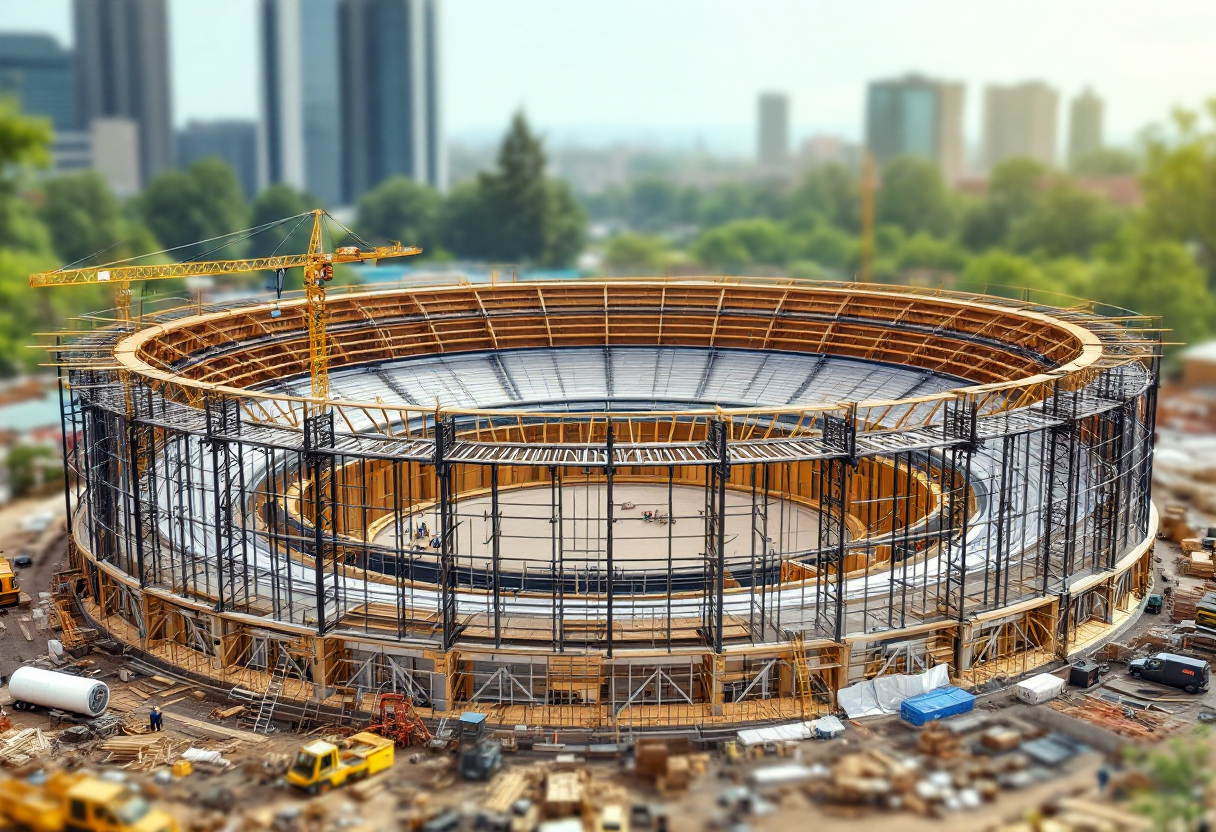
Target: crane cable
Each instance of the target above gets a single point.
(251, 232)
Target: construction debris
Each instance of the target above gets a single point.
(1120, 719)
(20, 745)
(139, 753)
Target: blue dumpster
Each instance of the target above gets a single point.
(936, 704)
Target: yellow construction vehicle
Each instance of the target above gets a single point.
(10, 595)
(78, 801)
(321, 765)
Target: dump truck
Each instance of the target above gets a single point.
(10, 593)
(320, 765)
(77, 801)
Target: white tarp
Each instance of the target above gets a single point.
(876, 697)
(775, 733)
(822, 728)
(1039, 689)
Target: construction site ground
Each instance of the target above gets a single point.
(711, 791)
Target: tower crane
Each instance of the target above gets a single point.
(318, 271)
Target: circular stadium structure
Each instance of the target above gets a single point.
(612, 504)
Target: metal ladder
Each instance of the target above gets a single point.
(260, 720)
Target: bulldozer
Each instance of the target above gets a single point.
(397, 720)
(480, 756)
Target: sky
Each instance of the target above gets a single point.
(679, 72)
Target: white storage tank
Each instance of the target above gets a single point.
(32, 687)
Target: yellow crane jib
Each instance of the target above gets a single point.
(316, 263)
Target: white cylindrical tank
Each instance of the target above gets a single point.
(33, 686)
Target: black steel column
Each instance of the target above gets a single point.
(63, 441)
(495, 534)
(960, 426)
(717, 474)
(134, 458)
(840, 435)
(608, 471)
(318, 454)
(445, 439)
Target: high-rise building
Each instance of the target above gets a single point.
(41, 74)
(122, 71)
(917, 116)
(392, 119)
(1085, 122)
(301, 140)
(109, 147)
(1020, 122)
(773, 133)
(236, 142)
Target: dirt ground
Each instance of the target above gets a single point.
(422, 783)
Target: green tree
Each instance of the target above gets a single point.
(641, 253)
(23, 140)
(828, 192)
(24, 143)
(1179, 185)
(465, 224)
(1180, 776)
(34, 469)
(277, 202)
(1001, 273)
(525, 217)
(1065, 221)
(186, 207)
(565, 226)
(515, 196)
(1107, 161)
(401, 209)
(744, 242)
(830, 247)
(1157, 277)
(654, 204)
(1014, 190)
(913, 196)
(86, 219)
(721, 248)
(924, 252)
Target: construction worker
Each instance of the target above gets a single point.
(156, 721)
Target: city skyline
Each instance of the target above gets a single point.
(579, 88)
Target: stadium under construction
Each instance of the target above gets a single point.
(614, 504)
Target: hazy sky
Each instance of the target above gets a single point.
(675, 70)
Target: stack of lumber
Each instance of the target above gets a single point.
(1185, 600)
(138, 753)
(936, 740)
(1119, 719)
(507, 788)
(564, 793)
(1174, 525)
(20, 745)
(1195, 560)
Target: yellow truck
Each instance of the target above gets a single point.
(321, 765)
(78, 801)
(10, 594)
